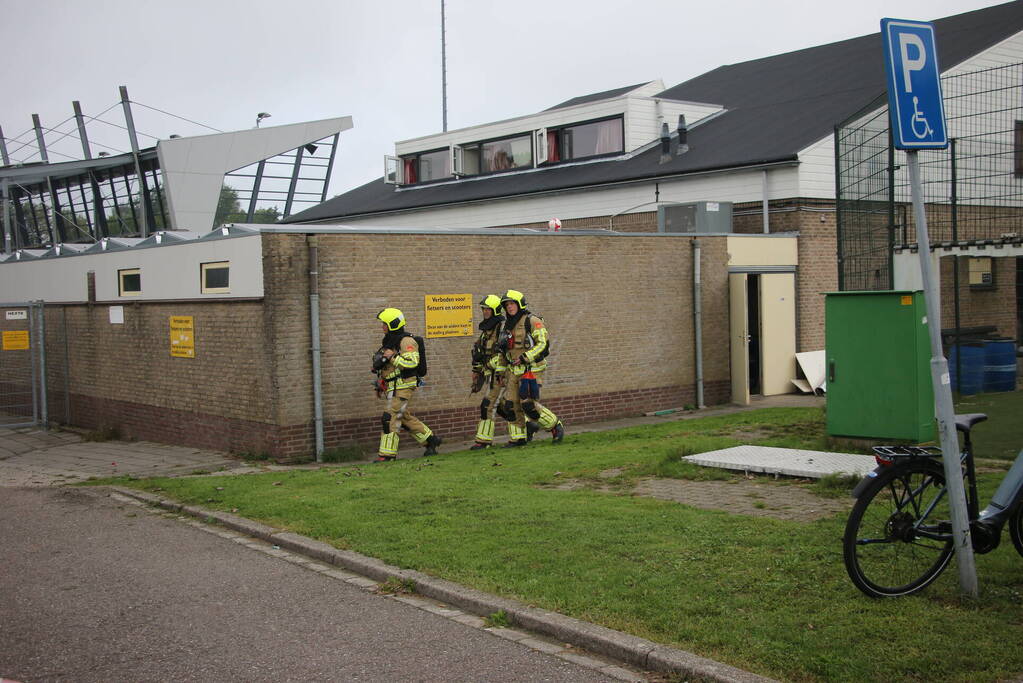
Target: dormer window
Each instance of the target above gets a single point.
(584, 140)
(426, 166)
(494, 156)
(601, 137)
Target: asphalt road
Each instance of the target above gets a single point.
(96, 590)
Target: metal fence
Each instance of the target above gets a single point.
(973, 190)
(22, 365)
(973, 195)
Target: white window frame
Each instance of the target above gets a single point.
(121, 272)
(397, 176)
(540, 147)
(214, 265)
(457, 159)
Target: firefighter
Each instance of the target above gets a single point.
(524, 345)
(396, 365)
(488, 370)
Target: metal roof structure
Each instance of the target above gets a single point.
(176, 184)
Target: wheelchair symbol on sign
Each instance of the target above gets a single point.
(919, 120)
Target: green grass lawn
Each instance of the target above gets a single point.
(766, 595)
(1002, 435)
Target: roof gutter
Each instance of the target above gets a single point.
(781, 163)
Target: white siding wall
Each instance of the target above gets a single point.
(525, 124)
(1009, 51)
(644, 126)
(640, 110)
(817, 170)
(168, 272)
(733, 187)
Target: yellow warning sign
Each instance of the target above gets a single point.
(182, 337)
(907, 300)
(15, 340)
(448, 315)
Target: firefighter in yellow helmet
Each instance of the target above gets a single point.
(524, 345)
(397, 366)
(488, 370)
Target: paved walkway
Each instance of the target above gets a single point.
(30, 456)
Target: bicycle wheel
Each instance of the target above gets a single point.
(899, 535)
(1016, 528)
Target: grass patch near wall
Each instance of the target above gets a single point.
(1001, 437)
(762, 594)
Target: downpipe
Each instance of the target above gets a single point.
(314, 334)
(698, 323)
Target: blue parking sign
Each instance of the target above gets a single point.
(915, 104)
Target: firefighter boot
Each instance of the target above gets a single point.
(558, 433)
(431, 445)
(531, 429)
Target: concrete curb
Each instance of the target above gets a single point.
(640, 652)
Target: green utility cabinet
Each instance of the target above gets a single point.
(878, 357)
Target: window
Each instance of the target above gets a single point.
(129, 282)
(982, 272)
(418, 168)
(583, 140)
(215, 277)
(495, 156)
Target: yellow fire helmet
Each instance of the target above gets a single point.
(517, 297)
(393, 318)
(493, 302)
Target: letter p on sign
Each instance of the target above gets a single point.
(911, 64)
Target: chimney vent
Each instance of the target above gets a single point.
(683, 135)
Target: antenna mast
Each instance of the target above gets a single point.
(443, 68)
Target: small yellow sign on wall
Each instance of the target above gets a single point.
(182, 338)
(15, 340)
(448, 315)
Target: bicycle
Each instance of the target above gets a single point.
(898, 538)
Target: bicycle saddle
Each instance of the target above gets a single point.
(965, 422)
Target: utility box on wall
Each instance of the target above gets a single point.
(878, 366)
(697, 217)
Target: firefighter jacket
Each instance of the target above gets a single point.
(529, 345)
(400, 371)
(486, 356)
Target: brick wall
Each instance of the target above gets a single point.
(619, 310)
(123, 376)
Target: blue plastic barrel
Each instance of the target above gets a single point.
(1000, 365)
(971, 363)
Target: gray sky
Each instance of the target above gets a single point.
(219, 62)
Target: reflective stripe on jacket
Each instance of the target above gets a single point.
(407, 359)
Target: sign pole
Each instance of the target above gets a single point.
(944, 409)
(916, 109)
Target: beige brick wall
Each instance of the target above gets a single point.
(619, 310)
(132, 361)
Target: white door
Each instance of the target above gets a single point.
(739, 336)
(777, 332)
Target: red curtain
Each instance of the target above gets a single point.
(410, 171)
(552, 146)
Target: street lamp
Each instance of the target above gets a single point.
(260, 116)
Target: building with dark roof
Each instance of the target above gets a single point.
(758, 135)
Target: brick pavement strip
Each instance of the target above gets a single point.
(591, 637)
